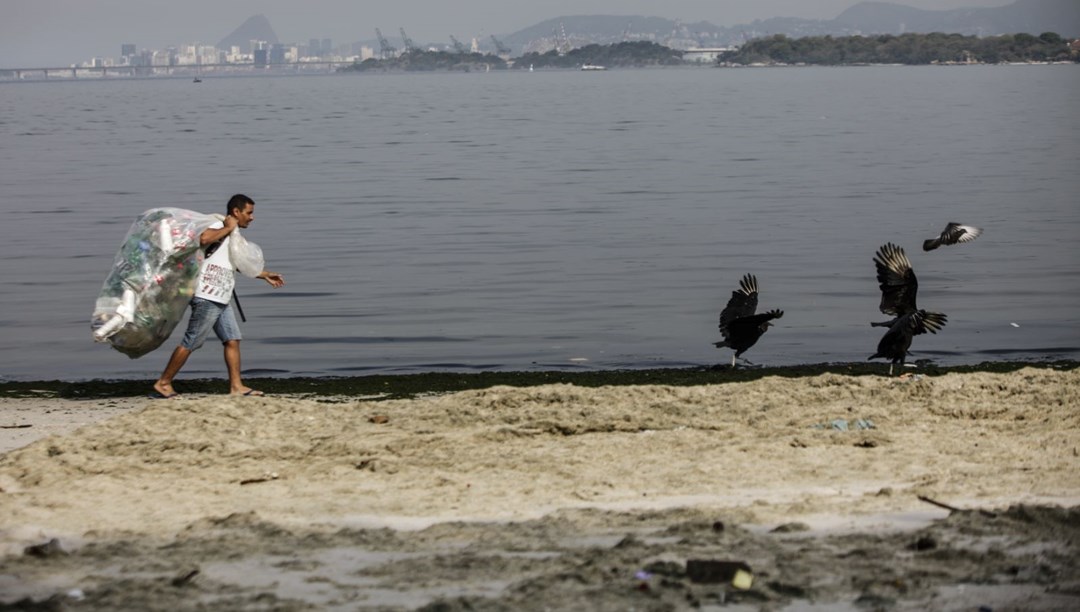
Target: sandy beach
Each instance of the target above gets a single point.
(553, 497)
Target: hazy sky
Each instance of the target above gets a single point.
(63, 32)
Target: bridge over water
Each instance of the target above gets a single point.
(184, 70)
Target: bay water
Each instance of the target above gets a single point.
(555, 220)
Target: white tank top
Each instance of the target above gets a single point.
(216, 278)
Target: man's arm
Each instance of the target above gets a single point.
(275, 279)
(211, 236)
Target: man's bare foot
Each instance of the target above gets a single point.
(164, 390)
(248, 391)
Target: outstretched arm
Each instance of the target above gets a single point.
(275, 279)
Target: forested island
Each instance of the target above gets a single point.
(638, 54)
(910, 49)
(421, 61)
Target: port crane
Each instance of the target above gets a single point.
(460, 48)
(405, 40)
(386, 50)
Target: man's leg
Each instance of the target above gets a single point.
(176, 361)
(232, 364)
(204, 316)
(229, 333)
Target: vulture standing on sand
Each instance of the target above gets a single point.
(739, 325)
(953, 234)
(898, 289)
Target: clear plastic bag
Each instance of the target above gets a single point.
(246, 256)
(152, 280)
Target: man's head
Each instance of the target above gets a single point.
(241, 207)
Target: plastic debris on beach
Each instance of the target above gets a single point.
(736, 573)
(845, 425)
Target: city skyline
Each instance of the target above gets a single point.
(55, 32)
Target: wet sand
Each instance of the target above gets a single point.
(554, 496)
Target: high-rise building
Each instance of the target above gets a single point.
(277, 53)
(127, 50)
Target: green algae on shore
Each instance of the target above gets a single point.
(405, 386)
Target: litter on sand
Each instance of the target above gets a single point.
(846, 425)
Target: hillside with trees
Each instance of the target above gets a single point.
(424, 61)
(862, 18)
(621, 55)
(638, 54)
(911, 49)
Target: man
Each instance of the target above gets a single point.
(211, 306)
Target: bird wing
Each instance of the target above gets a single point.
(755, 321)
(743, 303)
(896, 279)
(956, 232)
(924, 321)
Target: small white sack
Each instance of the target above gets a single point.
(245, 255)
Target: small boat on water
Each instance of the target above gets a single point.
(593, 67)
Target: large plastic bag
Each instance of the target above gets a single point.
(153, 278)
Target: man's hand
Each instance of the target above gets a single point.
(276, 280)
(230, 222)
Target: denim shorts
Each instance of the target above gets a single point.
(207, 315)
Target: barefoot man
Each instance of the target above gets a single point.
(211, 306)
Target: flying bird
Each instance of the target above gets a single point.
(739, 325)
(898, 290)
(954, 233)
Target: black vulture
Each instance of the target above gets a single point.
(895, 343)
(739, 325)
(953, 234)
(898, 290)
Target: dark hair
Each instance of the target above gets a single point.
(238, 202)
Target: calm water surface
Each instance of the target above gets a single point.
(555, 220)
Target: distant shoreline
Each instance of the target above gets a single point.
(892, 65)
(258, 75)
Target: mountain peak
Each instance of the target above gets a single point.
(257, 27)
